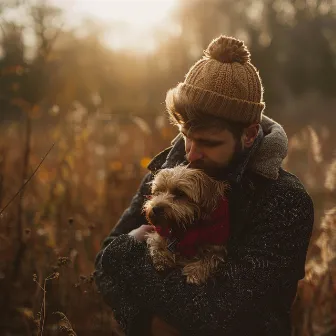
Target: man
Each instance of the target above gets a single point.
(218, 109)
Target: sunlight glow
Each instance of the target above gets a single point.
(138, 18)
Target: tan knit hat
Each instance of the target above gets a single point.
(222, 83)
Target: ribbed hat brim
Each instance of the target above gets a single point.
(218, 105)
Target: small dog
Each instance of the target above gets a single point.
(181, 207)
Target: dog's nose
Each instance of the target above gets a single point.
(158, 210)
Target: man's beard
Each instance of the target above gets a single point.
(220, 172)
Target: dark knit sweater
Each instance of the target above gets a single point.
(271, 222)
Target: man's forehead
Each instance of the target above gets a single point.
(208, 133)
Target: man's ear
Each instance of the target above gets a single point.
(249, 135)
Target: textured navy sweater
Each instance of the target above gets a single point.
(271, 222)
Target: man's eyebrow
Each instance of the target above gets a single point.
(214, 141)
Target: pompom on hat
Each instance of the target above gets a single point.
(223, 83)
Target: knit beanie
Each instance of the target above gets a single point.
(223, 83)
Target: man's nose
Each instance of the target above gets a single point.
(193, 153)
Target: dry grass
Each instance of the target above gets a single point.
(77, 196)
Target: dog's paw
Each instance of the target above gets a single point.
(158, 264)
(159, 267)
(192, 279)
(193, 274)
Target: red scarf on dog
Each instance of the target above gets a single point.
(214, 231)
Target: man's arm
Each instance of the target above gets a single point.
(273, 252)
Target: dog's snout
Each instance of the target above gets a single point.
(158, 210)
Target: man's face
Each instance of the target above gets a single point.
(213, 149)
(210, 150)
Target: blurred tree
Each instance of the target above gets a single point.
(12, 67)
(47, 26)
(294, 48)
(25, 81)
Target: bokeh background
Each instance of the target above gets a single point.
(86, 79)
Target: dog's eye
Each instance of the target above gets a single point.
(179, 194)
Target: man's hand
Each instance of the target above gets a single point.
(141, 232)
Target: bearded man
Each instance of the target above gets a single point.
(218, 110)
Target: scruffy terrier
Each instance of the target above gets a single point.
(187, 234)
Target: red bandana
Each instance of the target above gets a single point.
(214, 231)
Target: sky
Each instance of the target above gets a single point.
(137, 19)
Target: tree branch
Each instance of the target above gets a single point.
(26, 182)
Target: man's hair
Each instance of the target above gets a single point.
(194, 118)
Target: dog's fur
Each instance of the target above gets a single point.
(180, 197)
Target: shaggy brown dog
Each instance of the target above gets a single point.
(184, 199)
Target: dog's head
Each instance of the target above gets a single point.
(182, 196)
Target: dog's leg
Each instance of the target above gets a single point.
(161, 256)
